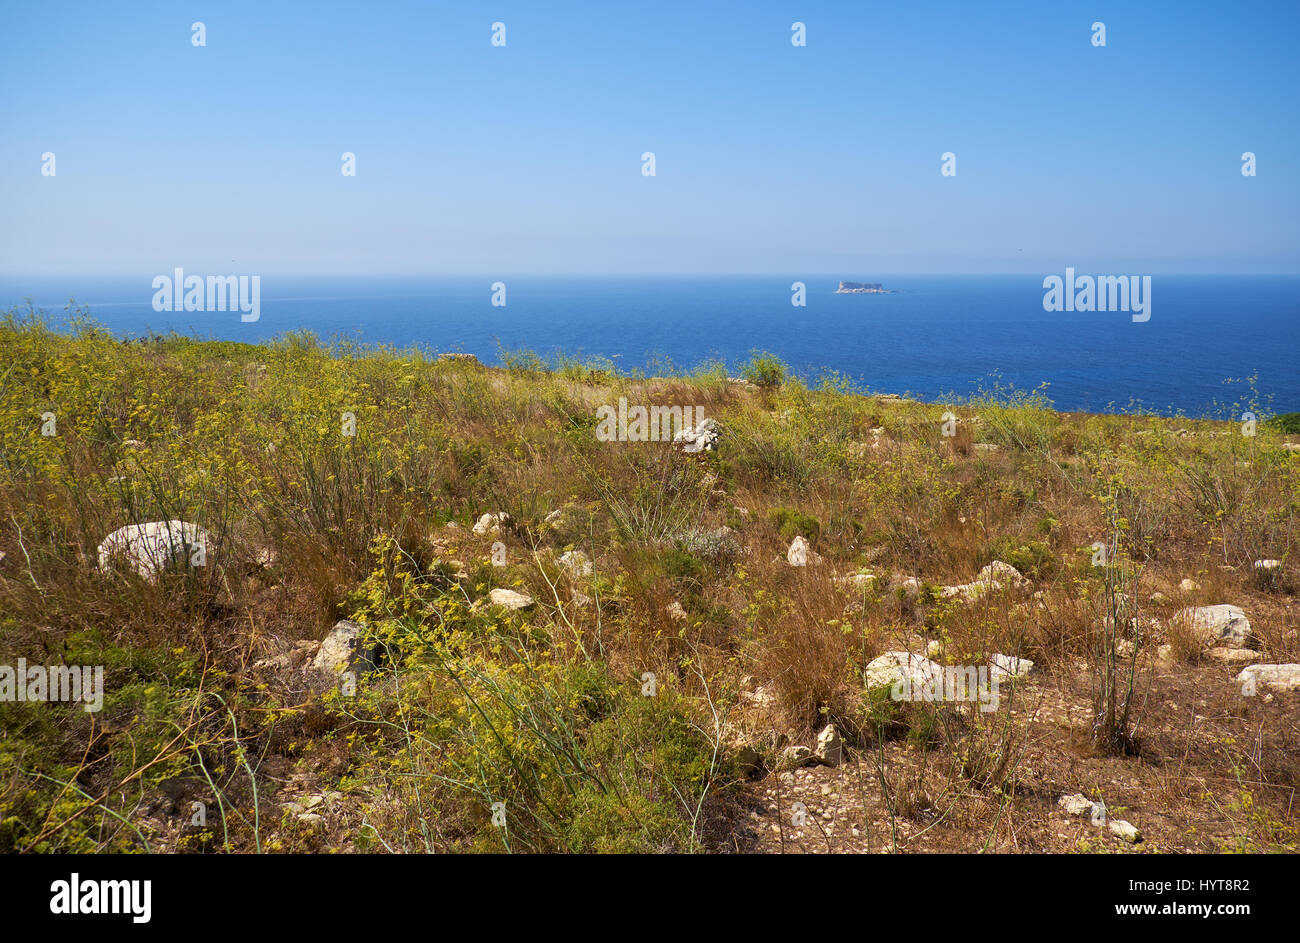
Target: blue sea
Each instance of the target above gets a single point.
(1207, 337)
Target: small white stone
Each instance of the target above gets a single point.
(703, 437)
(1233, 656)
(1076, 804)
(510, 599)
(576, 562)
(490, 524)
(800, 554)
(860, 581)
(1125, 830)
(830, 748)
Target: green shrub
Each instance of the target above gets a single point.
(1286, 423)
(791, 523)
(764, 370)
(718, 547)
(881, 717)
(1033, 558)
(682, 565)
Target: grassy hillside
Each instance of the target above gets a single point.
(649, 704)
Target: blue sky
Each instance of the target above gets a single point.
(473, 159)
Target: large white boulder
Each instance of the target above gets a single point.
(149, 548)
(893, 667)
(343, 650)
(1223, 625)
(1277, 677)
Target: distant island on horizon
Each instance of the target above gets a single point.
(864, 288)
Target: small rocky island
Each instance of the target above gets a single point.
(863, 288)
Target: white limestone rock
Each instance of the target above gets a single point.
(893, 667)
(150, 548)
(702, 437)
(576, 562)
(344, 650)
(1276, 677)
(800, 554)
(490, 524)
(1124, 830)
(1009, 667)
(510, 599)
(830, 748)
(1075, 804)
(855, 581)
(999, 574)
(1220, 626)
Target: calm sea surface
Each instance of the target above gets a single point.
(938, 336)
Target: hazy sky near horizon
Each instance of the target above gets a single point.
(476, 159)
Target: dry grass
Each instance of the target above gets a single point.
(545, 709)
